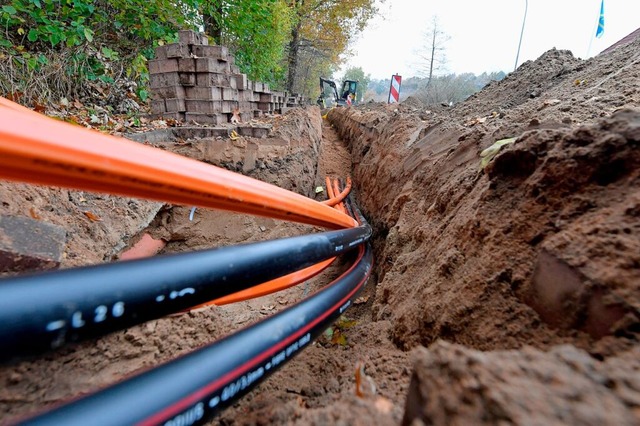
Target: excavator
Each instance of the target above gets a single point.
(347, 94)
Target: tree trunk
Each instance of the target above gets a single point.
(212, 23)
(292, 60)
(433, 55)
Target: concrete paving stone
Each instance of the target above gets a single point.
(158, 106)
(174, 105)
(164, 80)
(229, 94)
(168, 92)
(188, 37)
(161, 52)
(187, 79)
(28, 244)
(177, 50)
(204, 107)
(186, 65)
(215, 52)
(211, 65)
(201, 118)
(204, 93)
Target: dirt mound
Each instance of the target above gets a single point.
(539, 248)
(564, 385)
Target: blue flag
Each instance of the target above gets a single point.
(600, 29)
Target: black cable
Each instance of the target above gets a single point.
(192, 388)
(44, 311)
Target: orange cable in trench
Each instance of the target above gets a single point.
(336, 190)
(340, 197)
(287, 281)
(280, 283)
(40, 150)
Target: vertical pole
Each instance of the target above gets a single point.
(526, 7)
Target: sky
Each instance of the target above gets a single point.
(484, 34)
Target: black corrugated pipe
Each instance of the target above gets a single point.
(192, 388)
(44, 311)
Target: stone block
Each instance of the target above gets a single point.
(200, 118)
(209, 79)
(258, 86)
(174, 105)
(187, 79)
(204, 93)
(214, 52)
(260, 132)
(234, 69)
(164, 80)
(179, 116)
(28, 244)
(241, 81)
(158, 106)
(162, 66)
(204, 40)
(229, 94)
(204, 107)
(265, 97)
(264, 106)
(211, 65)
(186, 65)
(228, 106)
(168, 92)
(161, 52)
(177, 50)
(188, 37)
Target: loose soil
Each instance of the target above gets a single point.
(503, 294)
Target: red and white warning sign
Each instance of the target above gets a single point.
(394, 91)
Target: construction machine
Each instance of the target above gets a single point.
(328, 97)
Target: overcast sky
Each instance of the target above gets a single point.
(484, 34)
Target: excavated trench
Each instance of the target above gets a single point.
(501, 294)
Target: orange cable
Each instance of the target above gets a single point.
(337, 199)
(40, 150)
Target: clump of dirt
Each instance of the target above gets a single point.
(528, 386)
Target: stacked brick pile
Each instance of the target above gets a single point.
(192, 81)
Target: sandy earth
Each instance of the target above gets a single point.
(504, 294)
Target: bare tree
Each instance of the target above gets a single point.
(431, 57)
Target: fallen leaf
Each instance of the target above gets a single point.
(34, 214)
(361, 300)
(78, 104)
(92, 216)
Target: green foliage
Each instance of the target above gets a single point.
(98, 39)
(257, 32)
(357, 73)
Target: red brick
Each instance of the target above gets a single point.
(204, 93)
(214, 119)
(187, 79)
(168, 92)
(28, 244)
(209, 79)
(161, 52)
(158, 106)
(168, 116)
(229, 94)
(177, 50)
(162, 66)
(174, 105)
(186, 65)
(211, 65)
(204, 107)
(241, 81)
(188, 37)
(216, 52)
(164, 80)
